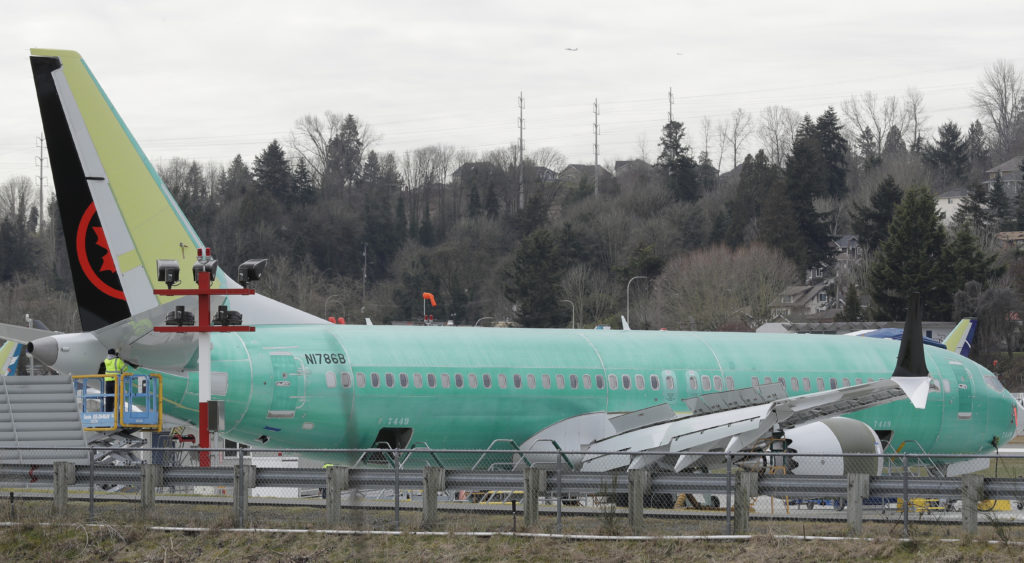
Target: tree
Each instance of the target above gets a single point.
(871, 223)
(973, 211)
(999, 98)
(867, 111)
(911, 259)
(866, 147)
(532, 282)
(833, 147)
(852, 311)
(738, 130)
(757, 178)
(977, 151)
(676, 162)
(894, 145)
(968, 262)
(776, 131)
(272, 172)
(948, 155)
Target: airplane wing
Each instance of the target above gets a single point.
(22, 334)
(728, 421)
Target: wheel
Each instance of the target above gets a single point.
(810, 505)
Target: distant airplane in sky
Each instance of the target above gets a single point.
(572, 49)
(299, 381)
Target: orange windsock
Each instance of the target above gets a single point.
(430, 297)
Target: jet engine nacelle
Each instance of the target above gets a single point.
(75, 353)
(831, 437)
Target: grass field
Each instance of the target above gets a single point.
(77, 542)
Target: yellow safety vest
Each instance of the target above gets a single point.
(112, 366)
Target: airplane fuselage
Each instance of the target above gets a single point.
(349, 386)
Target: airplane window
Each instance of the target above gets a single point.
(782, 380)
(403, 380)
(693, 383)
(794, 384)
(374, 380)
(821, 384)
(546, 381)
(560, 381)
(670, 382)
(599, 380)
(346, 379)
(705, 382)
(625, 382)
(858, 381)
(502, 380)
(458, 381)
(431, 380)
(331, 380)
(832, 383)
(472, 381)
(389, 379)
(639, 382)
(487, 380)
(613, 382)
(531, 381)
(573, 380)
(417, 380)
(807, 384)
(586, 381)
(753, 381)
(846, 382)
(655, 382)
(718, 383)
(729, 383)
(361, 379)
(517, 381)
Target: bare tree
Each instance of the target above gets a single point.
(868, 111)
(913, 107)
(312, 137)
(999, 99)
(722, 136)
(738, 130)
(706, 132)
(705, 289)
(15, 200)
(776, 132)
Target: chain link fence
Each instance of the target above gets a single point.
(590, 493)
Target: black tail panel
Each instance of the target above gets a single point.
(100, 297)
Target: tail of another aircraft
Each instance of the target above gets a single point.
(961, 339)
(10, 352)
(118, 216)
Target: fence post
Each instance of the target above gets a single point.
(152, 477)
(745, 488)
(433, 482)
(906, 497)
(856, 491)
(639, 481)
(337, 481)
(973, 484)
(63, 476)
(92, 484)
(728, 494)
(245, 477)
(535, 481)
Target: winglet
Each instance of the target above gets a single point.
(625, 325)
(911, 372)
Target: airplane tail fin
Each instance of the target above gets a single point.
(10, 352)
(911, 372)
(961, 339)
(118, 216)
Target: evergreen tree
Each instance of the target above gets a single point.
(491, 206)
(305, 192)
(532, 282)
(948, 156)
(426, 230)
(968, 262)
(871, 223)
(867, 147)
(894, 145)
(973, 211)
(1002, 213)
(834, 148)
(474, 208)
(912, 260)
(707, 174)
(343, 164)
(852, 311)
(806, 180)
(757, 176)
(236, 180)
(977, 152)
(676, 162)
(273, 174)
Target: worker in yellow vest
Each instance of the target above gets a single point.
(113, 366)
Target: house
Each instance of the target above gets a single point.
(1009, 174)
(948, 202)
(476, 171)
(1011, 239)
(573, 173)
(800, 301)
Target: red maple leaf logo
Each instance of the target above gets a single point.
(108, 260)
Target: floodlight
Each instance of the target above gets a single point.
(251, 271)
(168, 272)
(204, 266)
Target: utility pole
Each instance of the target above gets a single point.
(364, 278)
(522, 155)
(670, 100)
(42, 160)
(596, 112)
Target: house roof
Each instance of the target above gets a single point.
(847, 241)
(1012, 165)
(585, 169)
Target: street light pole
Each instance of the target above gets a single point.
(573, 305)
(627, 293)
(477, 323)
(326, 301)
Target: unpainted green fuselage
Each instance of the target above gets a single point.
(312, 386)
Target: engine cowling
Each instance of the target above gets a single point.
(75, 353)
(831, 437)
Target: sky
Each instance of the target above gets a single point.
(208, 80)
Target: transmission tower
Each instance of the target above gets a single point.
(41, 160)
(522, 155)
(596, 130)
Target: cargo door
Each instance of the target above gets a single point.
(289, 385)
